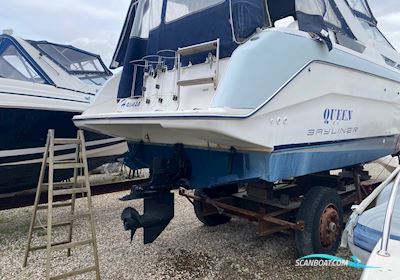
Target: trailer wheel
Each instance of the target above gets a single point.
(208, 220)
(322, 214)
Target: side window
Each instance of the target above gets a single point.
(179, 8)
(86, 66)
(14, 66)
(150, 17)
(374, 33)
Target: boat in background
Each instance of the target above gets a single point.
(213, 96)
(373, 231)
(43, 86)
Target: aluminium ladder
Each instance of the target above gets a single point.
(79, 164)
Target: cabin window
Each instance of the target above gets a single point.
(389, 62)
(177, 9)
(14, 66)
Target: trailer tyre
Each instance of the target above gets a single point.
(322, 214)
(208, 220)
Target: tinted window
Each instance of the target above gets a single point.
(14, 66)
(86, 66)
(71, 59)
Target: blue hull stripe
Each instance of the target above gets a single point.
(366, 238)
(46, 97)
(11, 159)
(315, 144)
(210, 167)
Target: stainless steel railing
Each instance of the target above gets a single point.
(388, 219)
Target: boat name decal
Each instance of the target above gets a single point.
(336, 115)
(130, 104)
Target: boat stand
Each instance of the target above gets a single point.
(78, 165)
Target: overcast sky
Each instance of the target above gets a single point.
(95, 25)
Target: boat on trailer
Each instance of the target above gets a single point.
(214, 96)
(42, 86)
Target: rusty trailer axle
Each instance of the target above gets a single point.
(268, 223)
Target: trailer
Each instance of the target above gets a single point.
(313, 206)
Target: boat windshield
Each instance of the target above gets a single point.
(362, 9)
(13, 65)
(86, 66)
(364, 14)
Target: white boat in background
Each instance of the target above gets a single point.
(373, 231)
(42, 86)
(387, 267)
(213, 94)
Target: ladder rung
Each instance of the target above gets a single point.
(67, 222)
(42, 247)
(62, 185)
(68, 165)
(69, 191)
(65, 141)
(62, 161)
(55, 225)
(193, 82)
(55, 205)
(71, 245)
(208, 46)
(73, 273)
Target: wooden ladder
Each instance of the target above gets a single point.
(78, 165)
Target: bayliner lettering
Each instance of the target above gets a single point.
(332, 115)
(332, 131)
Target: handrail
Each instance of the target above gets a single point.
(388, 219)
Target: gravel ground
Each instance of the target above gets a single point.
(186, 250)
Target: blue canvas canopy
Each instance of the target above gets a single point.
(155, 28)
(160, 26)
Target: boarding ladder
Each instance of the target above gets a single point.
(195, 49)
(79, 166)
